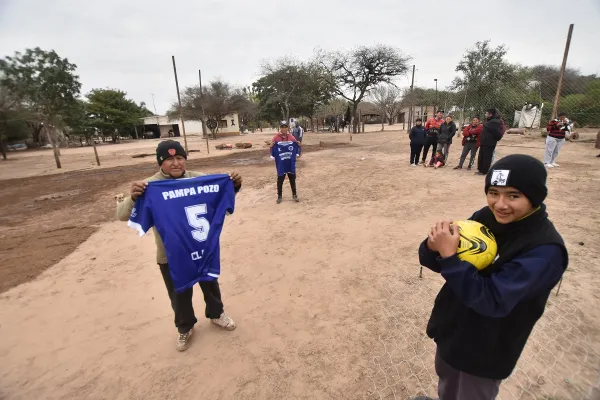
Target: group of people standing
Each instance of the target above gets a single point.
(438, 133)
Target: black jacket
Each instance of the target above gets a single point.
(485, 346)
(447, 132)
(492, 132)
(417, 135)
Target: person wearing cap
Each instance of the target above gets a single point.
(491, 134)
(171, 158)
(432, 128)
(417, 141)
(284, 136)
(557, 130)
(481, 319)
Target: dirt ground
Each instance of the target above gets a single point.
(326, 292)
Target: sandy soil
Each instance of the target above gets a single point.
(326, 293)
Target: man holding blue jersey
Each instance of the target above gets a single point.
(284, 136)
(171, 158)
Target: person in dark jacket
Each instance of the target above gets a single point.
(490, 136)
(417, 141)
(447, 132)
(470, 142)
(481, 319)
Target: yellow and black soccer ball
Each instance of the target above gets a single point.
(477, 244)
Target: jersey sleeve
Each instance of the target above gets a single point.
(141, 215)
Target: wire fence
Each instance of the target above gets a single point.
(523, 93)
(560, 360)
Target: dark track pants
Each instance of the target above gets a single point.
(456, 385)
(429, 142)
(415, 152)
(280, 179)
(185, 319)
(484, 160)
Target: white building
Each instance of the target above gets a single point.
(161, 125)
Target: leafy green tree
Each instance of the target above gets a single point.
(110, 112)
(488, 80)
(584, 109)
(290, 88)
(45, 84)
(357, 72)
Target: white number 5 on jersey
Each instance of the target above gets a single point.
(200, 224)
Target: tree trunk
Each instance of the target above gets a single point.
(2, 146)
(96, 152)
(356, 123)
(54, 146)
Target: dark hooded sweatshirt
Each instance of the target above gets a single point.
(481, 320)
(492, 132)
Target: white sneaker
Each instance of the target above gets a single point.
(183, 341)
(413, 165)
(549, 166)
(225, 322)
(555, 165)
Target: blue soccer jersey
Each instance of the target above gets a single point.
(188, 215)
(285, 154)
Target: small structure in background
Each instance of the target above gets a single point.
(529, 116)
(160, 126)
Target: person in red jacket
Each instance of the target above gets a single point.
(470, 142)
(432, 129)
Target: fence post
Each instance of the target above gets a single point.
(562, 72)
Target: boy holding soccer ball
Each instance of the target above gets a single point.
(481, 319)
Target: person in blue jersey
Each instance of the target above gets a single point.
(171, 159)
(481, 319)
(284, 136)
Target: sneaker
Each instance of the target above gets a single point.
(549, 166)
(279, 200)
(183, 342)
(555, 165)
(225, 322)
(469, 167)
(296, 199)
(457, 167)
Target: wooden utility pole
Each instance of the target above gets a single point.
(202, 108)
(180, 112)
(410, 111)
(562, 72)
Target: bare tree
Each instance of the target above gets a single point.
(219, 99)
(357, 72)
(387, 100)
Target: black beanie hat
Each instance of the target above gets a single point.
(167, 149)
(524, 173)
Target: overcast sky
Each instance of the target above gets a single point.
(127, 44)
